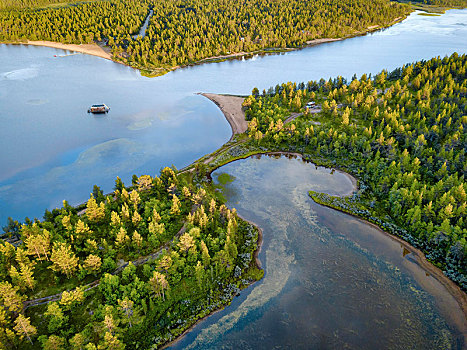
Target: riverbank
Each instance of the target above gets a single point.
(451, 287)
(219, 159)
(88, 49)
(231, 107)
(152, 71)
(420, 259)
(232, 103)
(259, 243)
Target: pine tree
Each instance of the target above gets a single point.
(39, 245)
(54, 342)
(10, 297)
(64, 260)
(77, 341)
(175, 209)
(109, 323)
(56, 317)
(137, 240)
(159, 284)
(26, 275)
(115, 219)
(23, 327)
(127, 307)
(82, 229)
(94, 212)
(136, 218)
(71, 298)
(92, 263)
(111, 342)
(186, 242)
(205, 254)
(122, 238)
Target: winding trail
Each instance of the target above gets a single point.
(94, 284)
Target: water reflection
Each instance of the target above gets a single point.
(331, 281)
(157, 122)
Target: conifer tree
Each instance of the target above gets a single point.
(23, 328)
(10, 298)
(92, 263)
(64, 260)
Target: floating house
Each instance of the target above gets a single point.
(102, 108)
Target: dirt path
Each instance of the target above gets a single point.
(231, 106)
(294, 115)
(94, 284)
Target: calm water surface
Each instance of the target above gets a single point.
(331, 281)
(51, 149)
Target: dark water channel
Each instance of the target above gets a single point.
(331, 281)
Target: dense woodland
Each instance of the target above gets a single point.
(134, 268)
(84, 23)
(186, 31)
(23, 4)
(401, 133)
(443, 3)
(140, 265)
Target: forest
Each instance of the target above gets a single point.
(23, 4)
(134, 268)
(443, 3)
(184, 32)
(401, 133)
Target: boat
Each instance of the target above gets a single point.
(102, 108)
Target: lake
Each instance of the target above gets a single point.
(53, 150)
(331, 281)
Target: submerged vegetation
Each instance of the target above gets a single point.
(187, 31)
(139, 266)
(133, 268)
(401, 133)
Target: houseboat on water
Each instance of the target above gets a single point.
(102, 108)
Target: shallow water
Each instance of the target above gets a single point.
(331, 281)
(53, 150)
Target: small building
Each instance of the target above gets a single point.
(310, 105)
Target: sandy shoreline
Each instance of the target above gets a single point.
(322, 41)
(104, 52)
(231, 106)
(89, 49)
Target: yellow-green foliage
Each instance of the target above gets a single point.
(403, 133)
(186, 31)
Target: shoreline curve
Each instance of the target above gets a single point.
(420, 259)
(258, 264)
(231, 107)
(88, 49)
(100, 51)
